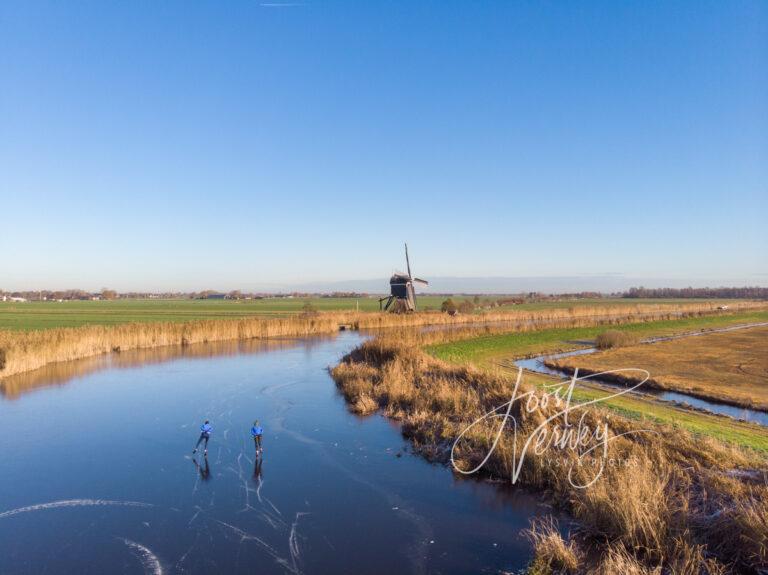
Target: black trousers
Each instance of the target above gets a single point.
(257, 441)
(203, 436)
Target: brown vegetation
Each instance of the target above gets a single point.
(672, 501)
(553, 553)
(729, 367)
(614, 338)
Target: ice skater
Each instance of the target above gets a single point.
(205, 434)
(256, 432)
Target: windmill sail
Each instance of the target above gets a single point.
(407, 261)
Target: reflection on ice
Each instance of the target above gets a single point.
(204, 469)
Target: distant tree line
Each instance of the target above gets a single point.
(110, 294)
(690, 292)
(449, 305)
(345, 294)
(42, 295)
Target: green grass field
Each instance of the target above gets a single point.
(49, 314)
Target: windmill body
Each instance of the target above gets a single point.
(402, 295)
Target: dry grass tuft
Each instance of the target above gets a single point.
(629, 504)
(614, 338)
(553, 554)
(617, 560)
(739, 531)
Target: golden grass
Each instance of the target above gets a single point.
(676, 502)
(24, 351)
(729, 367)
(553, 553)
(614, 338)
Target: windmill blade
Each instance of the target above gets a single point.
(407, 261)
(425, 282)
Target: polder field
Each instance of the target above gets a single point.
(35, 315)
(491, 352)
(50, 314)
(730, 367)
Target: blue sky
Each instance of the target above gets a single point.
(186, 145)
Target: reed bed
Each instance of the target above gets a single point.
(31, 350)
(681, 504)
(25, 351)
(386, 320)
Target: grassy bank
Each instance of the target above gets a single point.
(647, 409)
(674, 501)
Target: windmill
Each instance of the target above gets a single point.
(402, 296)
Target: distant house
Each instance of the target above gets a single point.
(723, 307)
(216, 296)
(17, 299)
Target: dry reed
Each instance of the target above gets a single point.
(614, 338)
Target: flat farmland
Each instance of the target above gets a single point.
(50, 314)
(34, 315)
(730, 367)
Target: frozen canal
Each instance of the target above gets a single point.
(98, 475)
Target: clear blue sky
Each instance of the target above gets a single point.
(185, 145)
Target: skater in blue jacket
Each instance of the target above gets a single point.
(205, 434)
(256, 432)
